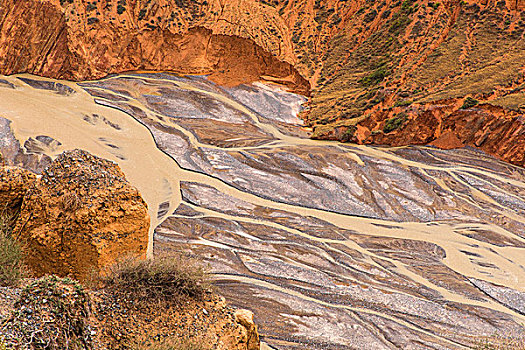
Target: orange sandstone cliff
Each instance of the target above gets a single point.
(79, 40)
(447, 73)
(80, 215)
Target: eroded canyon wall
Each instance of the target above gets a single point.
(408, 72)
(78, 40)
(368, 63)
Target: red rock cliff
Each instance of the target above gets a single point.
(366, 61)
(80, 40)
(81, 215)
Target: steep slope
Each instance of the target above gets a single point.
(410, 64)
(80, 40)
(416, 61)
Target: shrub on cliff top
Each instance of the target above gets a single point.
(469, 103)
(12, 268)
(161, 279)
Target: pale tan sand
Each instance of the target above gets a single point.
(38, 112)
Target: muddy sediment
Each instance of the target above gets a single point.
(331, 245)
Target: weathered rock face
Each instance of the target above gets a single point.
(445, 125)
(14, 183)
(362, 59)
(245, 318)
(77, 40)
(375, 59)
(81, 214)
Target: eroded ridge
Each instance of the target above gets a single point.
(333, 246)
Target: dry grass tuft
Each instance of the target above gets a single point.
(12, 268)
(169, 278)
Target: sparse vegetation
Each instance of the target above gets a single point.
(91, 6)
(497, 342)
(403, 103)
(92, 20)
(349, 133)
(142, 14)
(121, 6)
(434, 5)
(375, 77)
(12, 268)
(64, 2)
(52, 313)
(160, 279)
(394, 123)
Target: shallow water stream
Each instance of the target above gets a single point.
(333, 246)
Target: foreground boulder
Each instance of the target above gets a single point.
(81, 215)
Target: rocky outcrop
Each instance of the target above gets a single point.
(444, 124)
(81, 214)
(245, 318)
(55, 313)
(77, 40)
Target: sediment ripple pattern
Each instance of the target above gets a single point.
(333, 246)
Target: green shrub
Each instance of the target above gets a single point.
(92, 20)
(161, 279)
(469, 103)
(349, 133)
(434, 5)
(120, 9)
(406, 6)
(12, 268)
(394, 123)
(91, 6)
(142, 14)
(375, 77)
(403, 103)
(398, 23)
